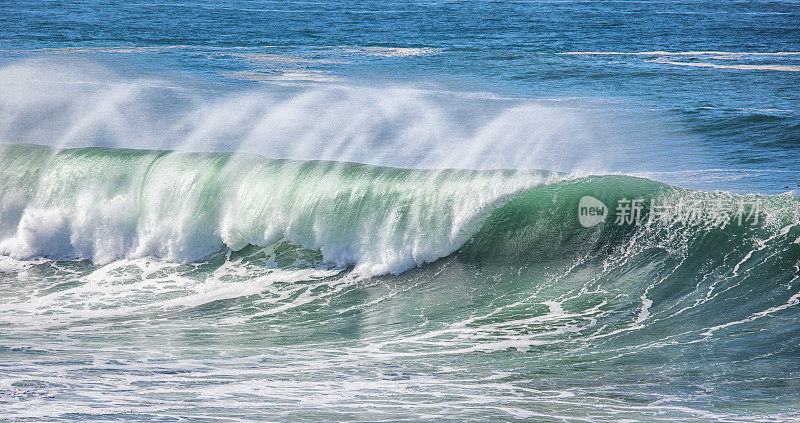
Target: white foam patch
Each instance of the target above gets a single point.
(131, 288)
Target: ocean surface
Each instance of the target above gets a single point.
(555, 211)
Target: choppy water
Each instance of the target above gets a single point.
(335, 211)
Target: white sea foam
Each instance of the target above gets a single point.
(390, 51)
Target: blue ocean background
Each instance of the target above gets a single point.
(367, 211)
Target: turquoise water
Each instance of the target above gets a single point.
(379, 211)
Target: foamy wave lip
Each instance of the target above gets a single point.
(112, 204)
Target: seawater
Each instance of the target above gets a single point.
(369, 211)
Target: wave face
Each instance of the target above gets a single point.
(104, 204)
(108, 204)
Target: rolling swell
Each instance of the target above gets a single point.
(106, 204)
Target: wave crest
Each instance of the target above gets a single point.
(106, 204)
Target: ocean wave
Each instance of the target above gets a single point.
(109, 204)
(104, 204)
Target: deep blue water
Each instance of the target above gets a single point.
(180, 240)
